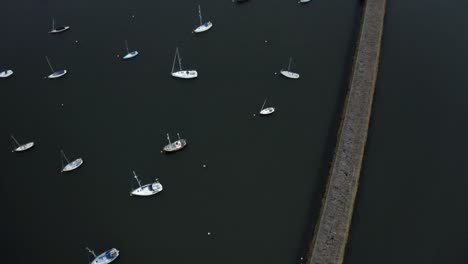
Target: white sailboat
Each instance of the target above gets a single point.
(176, 145)
(146, 190)
(266, 111)
(55, 74)
(129, 54)
(183, 74)
(5, 73)
(57, 29)
(203, 26)
(303, 1)
(69, 166)
(105, 258)
(288, 73)
(21, 147)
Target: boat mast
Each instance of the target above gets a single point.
(168, 138)
(264, 102)
(92, 252)
(126, 46)
(289, 66)
(175, 55)
(180, 60)
(136, 177)
(50, 65)
(53, 24)
(62, 154)
(16, 141)
(178, 136)
(199, 14)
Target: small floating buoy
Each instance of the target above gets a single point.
(118, 55)
(62, 105)
(302, 258)
(266, 41)
(209, 233)
(76, 41)
(276, 73)
(253, 114)
(204, 165)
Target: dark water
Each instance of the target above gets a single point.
(260, 193)
(412, 203)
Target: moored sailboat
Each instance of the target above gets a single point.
(203, 26)
(176, 145)
(146, 190)
(69, 166)
(55, 74)
(129, 54)
(266, 111)
(182, 74)
(21, 147)
(5, 73)
(58, 29)
(288, 73)
(105, 258)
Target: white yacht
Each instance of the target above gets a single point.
(55, 74)
(176, 145)
(69, 166)
(303, 1)
(105, 258)
(146, 190)
(5, 73)
(203, 26)
(21, 147)
(129, 54)
(288, 73)
(182, 74)
(266, 111)
(58, 29)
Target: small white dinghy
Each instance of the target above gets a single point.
(58, 29)
(266, 111)
(69, 166)
(55, 74)
(105, 258)
(146, 190)
(21, 147)
(203, 26)
(5, 73)
(176, 145)
(288, 73)
(129, 54)
(182, 74)
(303, 1)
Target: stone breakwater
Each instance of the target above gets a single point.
(331, 233)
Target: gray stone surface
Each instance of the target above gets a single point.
(331, 233)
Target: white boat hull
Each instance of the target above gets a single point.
(290, 75)
(190, 74)
(6, 73)
(59, 30)
(148, 190)
(130, 55)
(24, 147)
(57, 74)
(303, 1)
(175, 146)
(205, 27)
(267, 111)
(106, 257)
(73, 165)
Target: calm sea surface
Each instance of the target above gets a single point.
(412, 204)
(260, 193)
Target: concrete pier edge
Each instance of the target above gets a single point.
(331, 232)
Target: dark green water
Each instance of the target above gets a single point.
(412, 202)
(259, 195)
